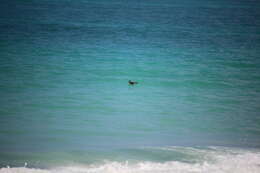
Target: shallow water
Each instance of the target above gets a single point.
(65, 100)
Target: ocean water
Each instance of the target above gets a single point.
(65, 102)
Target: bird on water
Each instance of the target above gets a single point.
(132, 82)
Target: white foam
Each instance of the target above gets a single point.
(241, 162)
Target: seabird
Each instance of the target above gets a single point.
(132, 83)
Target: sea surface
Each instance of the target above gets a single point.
(65, 102)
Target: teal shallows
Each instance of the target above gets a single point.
(65, 66)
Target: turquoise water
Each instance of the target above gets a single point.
(66, 105)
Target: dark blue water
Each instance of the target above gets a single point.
(65, 99)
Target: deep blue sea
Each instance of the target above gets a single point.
(66, 105)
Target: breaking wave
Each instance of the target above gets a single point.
(211, 160)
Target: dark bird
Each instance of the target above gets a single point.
(132, 82)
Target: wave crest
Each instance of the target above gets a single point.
(247, 162)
